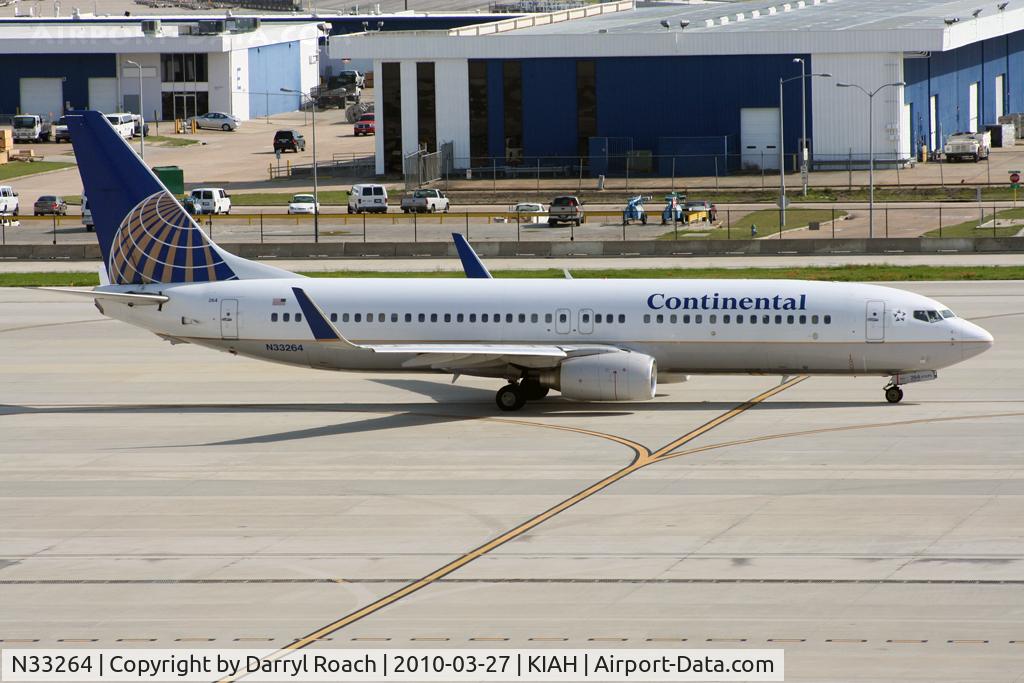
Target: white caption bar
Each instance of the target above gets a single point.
(392, 665)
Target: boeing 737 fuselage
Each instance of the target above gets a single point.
(588, 339)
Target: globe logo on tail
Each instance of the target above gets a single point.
(158, 242)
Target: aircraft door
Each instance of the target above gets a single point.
(586, 321)
(875, 325)
(229, 318)
(563, 321)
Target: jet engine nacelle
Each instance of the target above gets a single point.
(619, 376)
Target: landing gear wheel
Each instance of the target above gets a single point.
(510, 397)
(533, 390)
(893, 394)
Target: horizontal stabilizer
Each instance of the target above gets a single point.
(120, 297)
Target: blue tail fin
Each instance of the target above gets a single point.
(145, 235)
(471, 263)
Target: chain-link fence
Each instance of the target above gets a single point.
(955, 220)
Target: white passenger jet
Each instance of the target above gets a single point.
(591, 340)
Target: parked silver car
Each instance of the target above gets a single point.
(214, 120)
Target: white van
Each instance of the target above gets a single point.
(123, 123)
(368, 198)
(210, 200)
(87, 215)
(8, 201)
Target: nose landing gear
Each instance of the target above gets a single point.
(893, 394)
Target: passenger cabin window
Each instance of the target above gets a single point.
(564, 317)
(622, 317)
(508, 317)
(286, 317)
(803, 320)
(534, 317)
(647, 317)
(789, 319)
(660, 318)
(484, 318)
(828, 320)
(713, 318)
(522, 317)
(814, 319)
(298, 317)
(447, 317)
(585, 317)
(459, 318)
(422, 317)
(358, 317)
(472, 317)
(273, 317)
(408, 317)
(547, 317)
(686, 319)
(672, 318)
(381, 318)
(433, 317)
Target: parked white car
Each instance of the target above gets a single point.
(8, 201)
(214, 120)
(370, 198)
(304, 203)
(123, 123)
(210, 200)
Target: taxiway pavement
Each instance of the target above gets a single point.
(174, 497)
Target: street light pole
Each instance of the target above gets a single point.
(316, 193)
(782, 165)
(142, 116)
(782, 139)
(871, 145)
(803, 123)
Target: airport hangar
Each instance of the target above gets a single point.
(190, 64)
(703, 79)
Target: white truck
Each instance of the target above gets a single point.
(973, 146)
(8, 201)
(30, 128)
(426, 201)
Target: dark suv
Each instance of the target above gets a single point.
(285, 140)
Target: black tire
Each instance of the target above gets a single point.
(533, 390)
(643, 219)
(225, 127)
(509, 398)
(893, 394)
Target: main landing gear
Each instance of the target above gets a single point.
(515, 395)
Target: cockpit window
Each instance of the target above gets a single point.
(946, 313)
(928, 316)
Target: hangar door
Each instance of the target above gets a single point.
(759, 138)
(42, 96)
(103, 95)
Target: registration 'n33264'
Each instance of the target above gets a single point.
(284, 347)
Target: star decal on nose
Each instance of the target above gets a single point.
(899, 315)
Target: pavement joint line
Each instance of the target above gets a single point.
(906, 641)
(489, 639)
(136, 640)
(642, 457)
(787, 640)
(430, 639)
(845, 640)
(968, 642)
(604, 639)
(77, 640)
(194, 640)
(371, 639)
(555, 639)
(726, 640)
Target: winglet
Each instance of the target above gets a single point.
(471, 263)
(319, 324)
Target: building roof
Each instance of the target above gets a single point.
(784, 15)
(739, 28)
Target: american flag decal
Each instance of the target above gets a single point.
(279, 302)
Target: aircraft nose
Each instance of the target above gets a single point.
(976, 339)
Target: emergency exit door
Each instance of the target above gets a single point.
(875, 316)
(229, 319)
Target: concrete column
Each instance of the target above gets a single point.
(452, 85)
(410, 109)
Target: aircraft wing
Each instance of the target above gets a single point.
(449, 355)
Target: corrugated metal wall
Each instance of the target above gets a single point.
(271, 68)
(646, 99)
(75, 69)
(949, 75)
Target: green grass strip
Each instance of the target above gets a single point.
(19, 169)
(854, 273)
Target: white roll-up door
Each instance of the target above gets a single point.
(103, 95)
(42, 96)
(972, 108)
(999, 98)
(759, 138)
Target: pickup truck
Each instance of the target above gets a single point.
(565, 209)
(60, 131)
(973, 146)
(30, 128)
(426, 201)
(8, 201)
